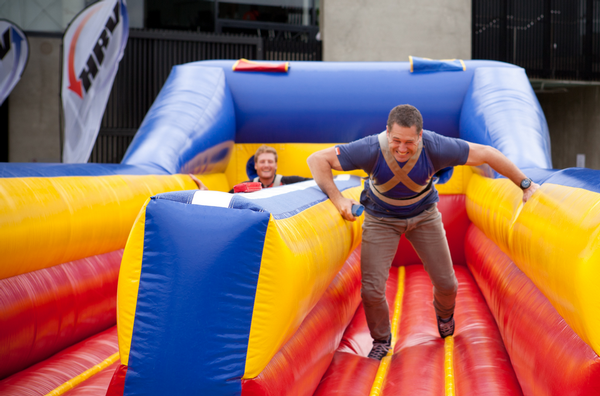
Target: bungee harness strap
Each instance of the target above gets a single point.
(400, 176)
(276, 181)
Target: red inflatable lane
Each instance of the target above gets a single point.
(45, 376)
(417, 366)
(348, 375)
(481, 364)
(534, 333)
(45, 311)
(351, 371)
(417, 370)
(298, 367)
(96, 385)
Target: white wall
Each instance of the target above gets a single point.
(391, 30)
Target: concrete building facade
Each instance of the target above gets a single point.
(34, 105)
(573, 115)
(391, 30)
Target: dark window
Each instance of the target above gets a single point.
(266, 18)
(558, 39)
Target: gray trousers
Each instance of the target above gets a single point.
(380, 240)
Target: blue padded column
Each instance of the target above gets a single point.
(195, 299)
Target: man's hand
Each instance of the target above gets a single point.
(344, 206)
(200, 185)
(321, 163)
(527, 193)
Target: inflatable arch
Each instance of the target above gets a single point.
(259, 294)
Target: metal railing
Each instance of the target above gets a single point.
(555, 39)
(111, 145)
(147, 62)
(293, 50)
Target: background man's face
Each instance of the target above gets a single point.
(403, 141)
(266, 166)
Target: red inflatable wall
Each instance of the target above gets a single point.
(298, 367)
(547, 356)
(45, 311)
(47, 375)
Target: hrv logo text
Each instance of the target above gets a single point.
(96, 58)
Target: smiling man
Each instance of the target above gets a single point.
(400, 198)
(265, 163)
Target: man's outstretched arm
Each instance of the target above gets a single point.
(480, 154)
(200, 185)
(321, 164)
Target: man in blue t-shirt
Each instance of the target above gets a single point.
(400, 198)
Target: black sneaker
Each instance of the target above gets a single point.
(446, 327)
(380, 348)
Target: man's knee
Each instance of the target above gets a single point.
(447, 287)
(372, 297)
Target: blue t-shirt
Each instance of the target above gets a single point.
(438, 152)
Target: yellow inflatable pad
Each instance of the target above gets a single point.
(47, 221)
(554, 239)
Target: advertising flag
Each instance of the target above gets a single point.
(14, 51)
(93, 45)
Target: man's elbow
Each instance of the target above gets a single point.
(314, 160)
(482, 154)
(493, 153)
(311, 160)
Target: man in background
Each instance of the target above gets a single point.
(265, 164)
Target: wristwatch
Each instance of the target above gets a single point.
(525, 183)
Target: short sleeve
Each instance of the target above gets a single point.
(360, 154)
(445, 151)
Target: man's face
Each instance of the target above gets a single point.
(403, 141)
(266, 166)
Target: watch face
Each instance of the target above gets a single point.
(525, 183)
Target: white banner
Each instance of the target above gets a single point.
(93, 45)
(14, 51)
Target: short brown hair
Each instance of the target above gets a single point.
(264, 149)
(405, 116)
